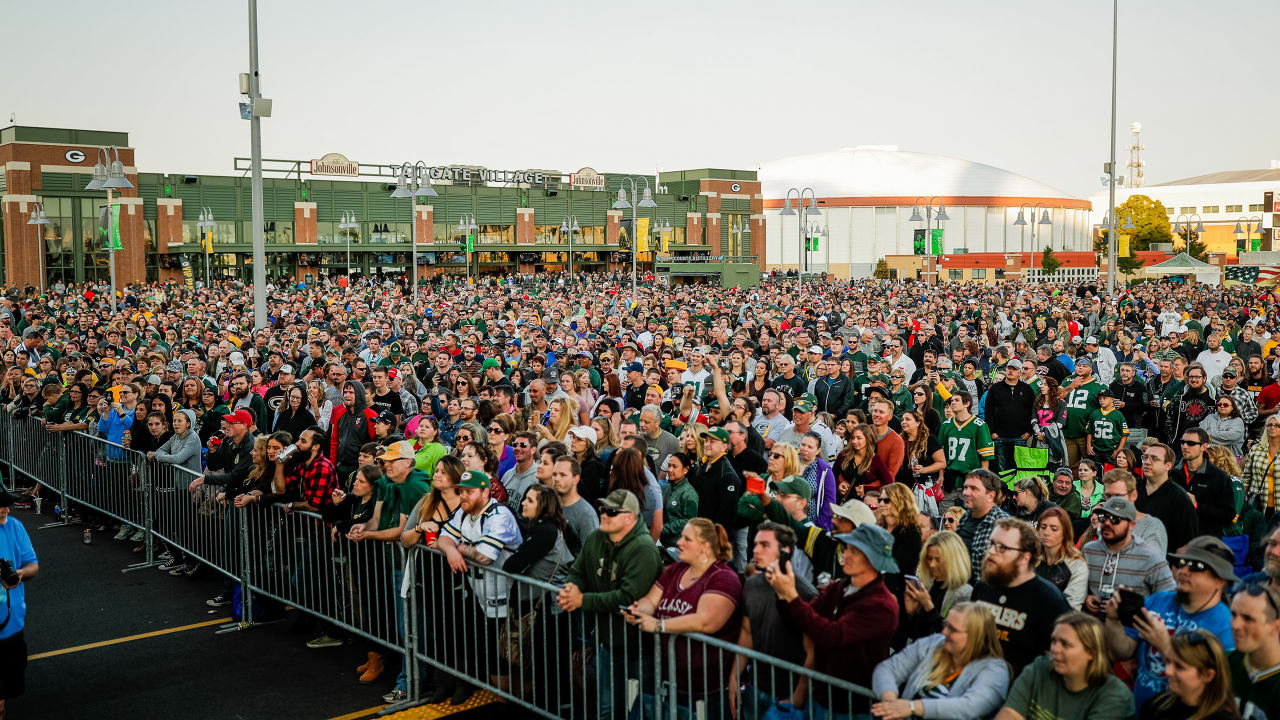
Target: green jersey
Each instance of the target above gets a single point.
(966, 445)
(1108, 428)
(859, 361)
(1081, 402)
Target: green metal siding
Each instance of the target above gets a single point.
(61, 182)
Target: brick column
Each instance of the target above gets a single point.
(612, 224)
(305, 229)
(693, 229)
(756, 239)
(131, 261)
(169, 230)
(424, 221)
(524, 226)
(1013, 266)
(21, 241)
(713, 232)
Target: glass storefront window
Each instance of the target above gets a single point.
(224, 233)
(272, 231)
(330, 233)
(390, 232)
(496, 235)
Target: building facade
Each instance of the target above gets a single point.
(518, 217)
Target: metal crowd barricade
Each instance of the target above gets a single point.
(499, 631)
(6, 450)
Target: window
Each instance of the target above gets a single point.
(272, 231)
(1209, 209)
(1186, 210)
(999, 273)
(979, 273)
(1255, 208)
(1168, 211)
(1234, 208)
(955, 274)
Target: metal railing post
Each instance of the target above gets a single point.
(246, 574)
(148, 516)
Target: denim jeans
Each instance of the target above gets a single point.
(397, 578)
(1004, 453)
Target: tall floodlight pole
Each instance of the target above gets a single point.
(1111, 166)
(258, 109)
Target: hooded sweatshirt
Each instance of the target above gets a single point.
(182, 450)
(613, 574)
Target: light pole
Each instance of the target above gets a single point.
(1251, 225)
(419, 187)
(1111, 166)
(929, 214)
(1111, 228)
(259, 107)
(467, 224)
(348, 223)
(1044, 220)
(646, 201)
(109, 176)
(811, 211)
(1188, 233)
(38, 218)
(570, 226)
(206, 225)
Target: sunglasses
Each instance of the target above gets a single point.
(467, 438)
(1196, 565)
(1110, 519)
(1191, 442)
(776, 456)
(607, 512)
(949, 521)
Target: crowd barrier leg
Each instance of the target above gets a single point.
(56, 477)
(409, 638)
(246, 592)
(148, 520)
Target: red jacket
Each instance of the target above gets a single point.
(338, 412)
(850, 633)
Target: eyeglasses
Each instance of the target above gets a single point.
(497, 429)
(521, 446)
(1001, 548)
(1064, 471)
(1273, 424)
(949, 521)
(1196, 565)
(1110, 519)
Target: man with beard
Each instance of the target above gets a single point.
(1266, 392)
(1194, 404)
(1202, 572)
(1120, 558)
(351, 425)
(243, 397)
(1023, 604)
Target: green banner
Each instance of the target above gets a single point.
(1256, 244)
(471, 243)
(937, 241)
(115, 228)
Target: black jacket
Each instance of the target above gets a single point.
(1009, 409)
(1173, 507)
(834, 395)
(1136, 399)
(719, 488)
(229, 463)
(1214, 497)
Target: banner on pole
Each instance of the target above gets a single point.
(937, 241)
(116, 244)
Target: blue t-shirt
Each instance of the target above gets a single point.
(1151, 678)
(15, 546)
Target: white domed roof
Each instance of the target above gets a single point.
(886, 171)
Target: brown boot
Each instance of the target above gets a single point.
(367, 663)
(374, 670)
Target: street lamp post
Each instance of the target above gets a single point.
(1044, 220)
(1109, 222)
(929, 214)
(466, 224)
(570, 226)
(811, 211)
(38, 218)
(348, 223)
(645, 201)
(1184, 229)
(205, 225)
(1252, 225)
(109, 176)
(1111, 166)
(419, 186)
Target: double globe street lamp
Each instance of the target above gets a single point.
(413, 181)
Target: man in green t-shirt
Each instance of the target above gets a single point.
(1108, 432)
(1255, 663)
(1081, 401)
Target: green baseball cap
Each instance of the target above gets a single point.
(474, 479)
(622, 500)
(805, 403)
(718, 433)
(793, 485)
(489, 363)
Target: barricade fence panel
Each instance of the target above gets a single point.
(499, 631)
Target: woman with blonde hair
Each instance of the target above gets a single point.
(1199, 681)
(691, 439)
(942, 571)
(1072, 680)
(957, 674)
(606, 436)
(783, 462)
(562, 414)
(897, 513)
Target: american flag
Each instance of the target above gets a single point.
(1252, 275)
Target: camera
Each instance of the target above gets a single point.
(724, 364)
(7, 573)
(288, 450)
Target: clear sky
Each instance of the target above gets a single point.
(1023, 85)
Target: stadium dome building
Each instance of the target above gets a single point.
(867, 196)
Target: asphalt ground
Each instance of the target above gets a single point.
(105, 644)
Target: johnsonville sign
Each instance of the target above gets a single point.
(586, 179)
(335, 164)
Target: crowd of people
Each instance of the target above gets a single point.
(1011, 501)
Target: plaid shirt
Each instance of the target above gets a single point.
(315, 482)
(1244, 403)
(981, 538)
(1262, 472)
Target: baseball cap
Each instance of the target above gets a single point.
(855, 511)
(551, 375)
(154, 380)
(174, 366)
(620, 500)
(236, 358)
(635, 367)
(489, 363)
(386, 416)
(815, 349)
(400, 450)
(794, 485)
(1015, 363)
(239, 417)
(586, 432)
(1121, 507)
(1230, 372)
(804, 403)
(1106, 392)
(286, 369)
(718, 433)
(1091, 340)
(473, 479)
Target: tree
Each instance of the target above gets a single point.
(1049, 263)
(1196, 249)
(1128, 265)
(882, 270)
(1150, 220)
